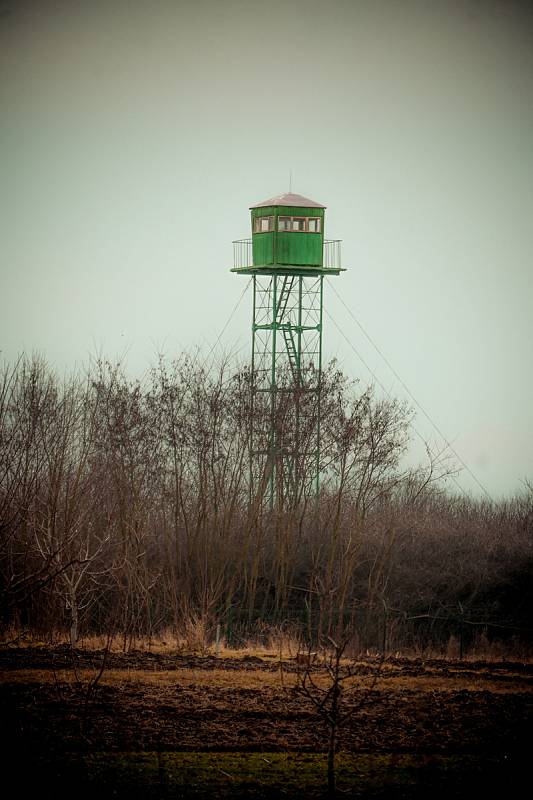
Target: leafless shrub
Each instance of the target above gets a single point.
(332, 690)
(125, 505)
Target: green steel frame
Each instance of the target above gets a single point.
(286, 385)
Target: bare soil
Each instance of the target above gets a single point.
(170, 704)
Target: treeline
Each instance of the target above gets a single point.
(126, 506)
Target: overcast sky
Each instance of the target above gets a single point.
(135, 135)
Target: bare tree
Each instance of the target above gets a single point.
(331, 687)
(128, 504)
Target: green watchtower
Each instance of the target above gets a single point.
(287, 258)
(273, 229)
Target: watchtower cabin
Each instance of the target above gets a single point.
(287, 257)
(287, 233)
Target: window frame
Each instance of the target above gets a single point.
(289, 219)
(259, 220)
(318, 221)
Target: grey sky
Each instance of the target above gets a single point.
(134, 136)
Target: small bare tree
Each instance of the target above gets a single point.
(337, 698)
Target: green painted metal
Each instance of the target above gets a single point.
(320, 386)
(273, 438)
(280, 247)
(252, 406)
(288, 269)
(287, 320)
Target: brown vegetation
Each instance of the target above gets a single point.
(124, 508)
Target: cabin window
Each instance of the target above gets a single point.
(299, 224)
(263, 224)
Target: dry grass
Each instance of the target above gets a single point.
(197, 637)
(216, 678)
(262, 679)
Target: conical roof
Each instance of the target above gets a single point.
(289, 199)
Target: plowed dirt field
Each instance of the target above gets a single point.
(183, 726)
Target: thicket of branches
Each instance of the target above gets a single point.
(126, 506)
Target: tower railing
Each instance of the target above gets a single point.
(243, 253)
(332, 254)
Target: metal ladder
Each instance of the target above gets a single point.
(294, 361)
(286, 289)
